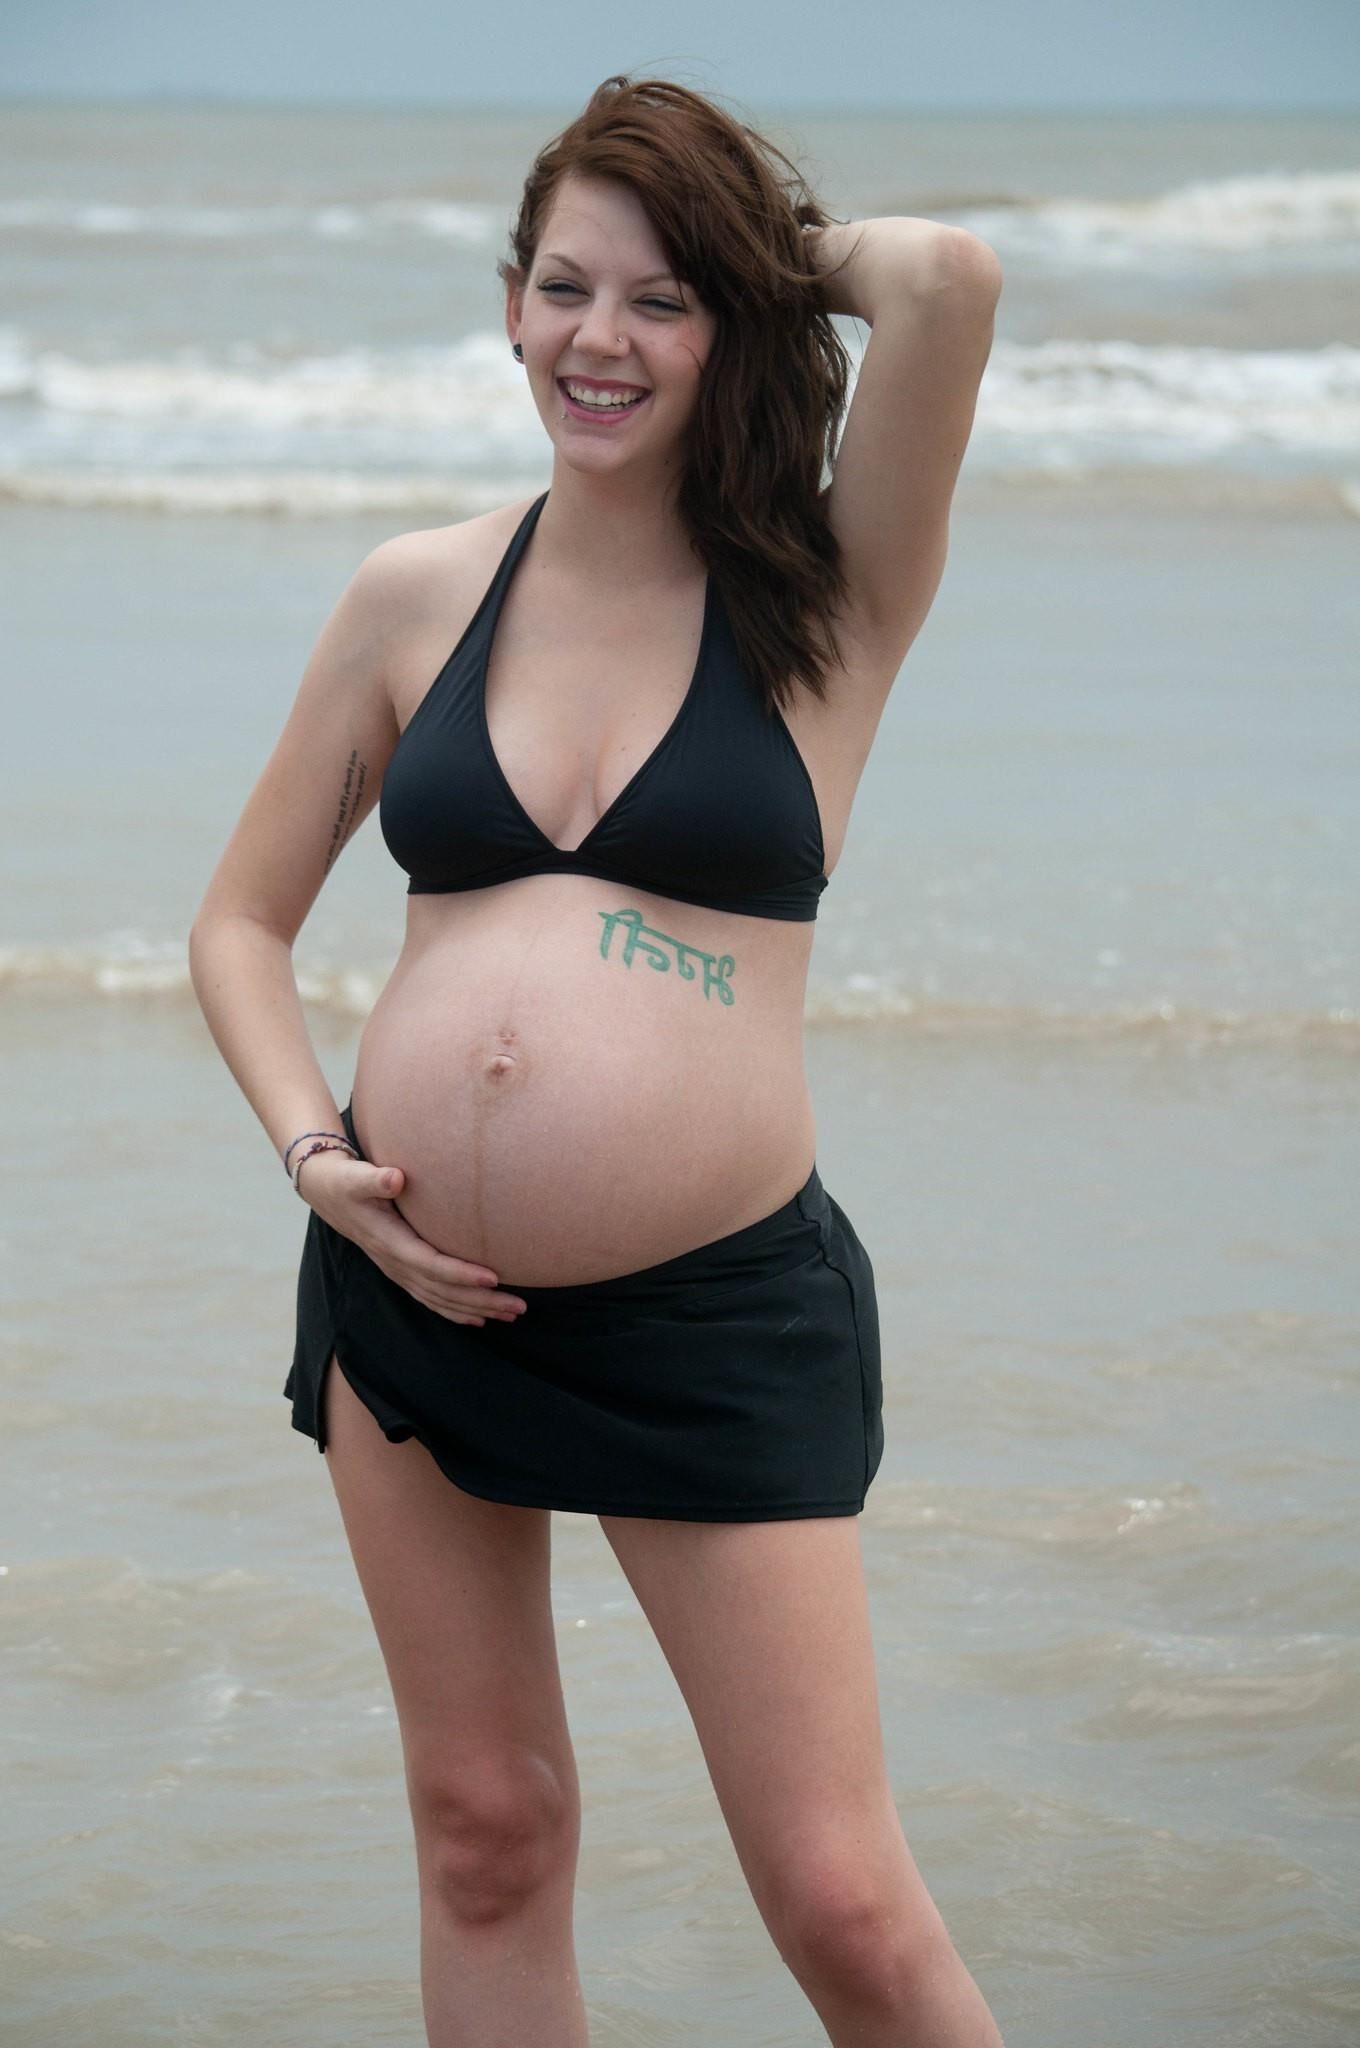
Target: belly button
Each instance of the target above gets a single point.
(500, 1065)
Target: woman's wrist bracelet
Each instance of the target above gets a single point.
(323, 1142)
(311, 1134)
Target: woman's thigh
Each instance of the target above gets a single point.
(458, 1590)
(766, 1628)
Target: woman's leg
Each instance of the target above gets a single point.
(766, 1628)
(458, 1589)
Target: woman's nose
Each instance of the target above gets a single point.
(601, 329)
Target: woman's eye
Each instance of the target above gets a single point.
(665, 305)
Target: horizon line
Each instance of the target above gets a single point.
(170, 96)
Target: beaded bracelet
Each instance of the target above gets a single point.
(312, 1134)
(323, 1143)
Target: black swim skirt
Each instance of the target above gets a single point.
(739, 1382)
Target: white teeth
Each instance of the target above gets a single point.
(601, 401)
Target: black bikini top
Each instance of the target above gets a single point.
(722, 812)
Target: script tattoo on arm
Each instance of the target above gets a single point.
(351, 796)
(640, 938)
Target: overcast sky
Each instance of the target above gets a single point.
(798, 53)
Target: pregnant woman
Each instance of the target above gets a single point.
(568, 1247)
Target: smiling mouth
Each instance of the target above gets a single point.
(609, 404)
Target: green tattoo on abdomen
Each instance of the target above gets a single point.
(639, 938)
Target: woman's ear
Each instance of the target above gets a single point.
(514, 307)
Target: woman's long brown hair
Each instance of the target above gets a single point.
(773, 390)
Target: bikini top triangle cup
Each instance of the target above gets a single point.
(722, 813)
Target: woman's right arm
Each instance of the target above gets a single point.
(316, 789)
(318, 785)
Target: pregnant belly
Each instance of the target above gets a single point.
(563, 1114)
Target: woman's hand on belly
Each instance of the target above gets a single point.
(565, 1114)
(358, 1199)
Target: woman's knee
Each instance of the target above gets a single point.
(853, 1930)
(494, 1829)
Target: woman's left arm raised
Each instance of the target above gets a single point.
(929, 292)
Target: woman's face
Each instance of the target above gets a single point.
(602, 312)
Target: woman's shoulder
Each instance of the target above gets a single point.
(415, 592)
(425, 573)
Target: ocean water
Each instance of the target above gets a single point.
(1083, 1032)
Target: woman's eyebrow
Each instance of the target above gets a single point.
(655, 277)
